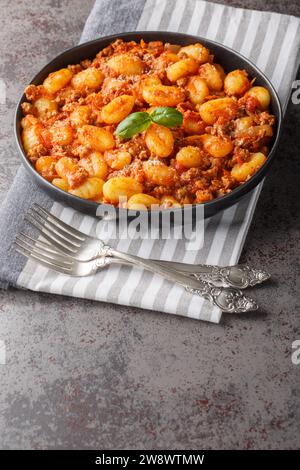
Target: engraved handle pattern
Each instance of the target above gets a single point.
(240, 276)
(228, 300)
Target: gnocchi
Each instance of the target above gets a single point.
(90, 78)
(68, 169)
(262, 95)
(214, 76)
(96, 138)
(181, 69)
(197, 52)
(217, 147)
(189, 157)
(61, 133)
(57, 80)
(122, 186)
(90, 189)
(126, 64)
(236, 83)
(45, 107)
(159, 140)
(69, 129)
(95, 165)
(117, 159)
(162, 95)
(115, 111)
(242, 172)
(46, 167)
(212, 110)
(80, 116)
(197, 89)
(142, 201)
(158, 173)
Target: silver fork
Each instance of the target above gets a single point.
(239, 276)
(228, 300)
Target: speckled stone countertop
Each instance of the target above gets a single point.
(82, 374)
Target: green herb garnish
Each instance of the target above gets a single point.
(139, 122)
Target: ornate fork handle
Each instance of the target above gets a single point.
(228, 300)
(239, 276)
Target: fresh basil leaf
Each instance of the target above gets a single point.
(133, 124)
(168, 117)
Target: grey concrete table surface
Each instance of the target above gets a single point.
(82, 374)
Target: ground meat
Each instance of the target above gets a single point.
(36, 151)
(33, 92)
(28, 108)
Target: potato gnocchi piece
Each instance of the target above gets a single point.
(92, 188)
(80, 116)
(142, 201)
(61, 184)
(197, 89)
(217, 147)
(90, 78)
(158, 173)
(61, 133)
(117, 159)
(152, 80)
(45, 107)
(121, 186)
(195, 51)
(162, 95)
(181, 69)
(57, 80)
(236, 83)
(211, 110)
(68, 169)
(214, 76)
(126, 64)
(193, 124)
(46, 167)
(165, 59)
(159, 140)
(32, 136)
(96, 138)
(95, 165)
(242, 172)
(117, 110)
(262, 96)
(242, 124)
(189, 157)
(255, 133)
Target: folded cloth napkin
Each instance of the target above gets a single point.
(271, 41)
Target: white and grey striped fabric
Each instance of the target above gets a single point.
(271, 41)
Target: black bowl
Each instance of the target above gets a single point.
(225, 56)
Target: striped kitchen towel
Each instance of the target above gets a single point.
(271, 41)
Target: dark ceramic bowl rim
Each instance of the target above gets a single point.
(240, 190)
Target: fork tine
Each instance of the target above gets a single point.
(53, 255)
(52, 238)
(46, 264)
(38, 243)
(54, 228)
(58, 262)
(66, 227)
